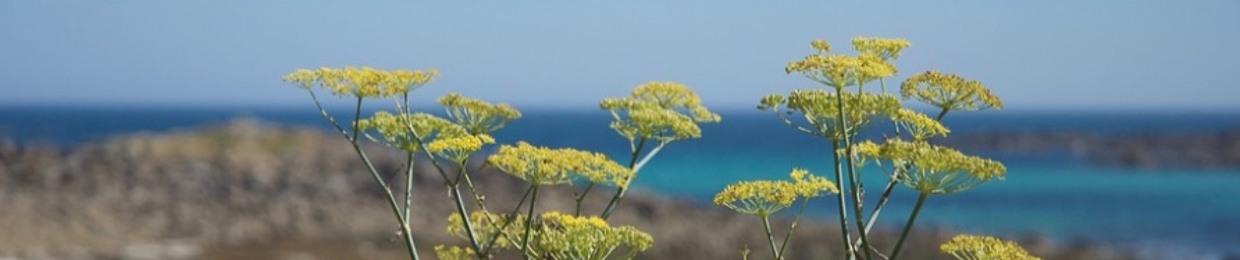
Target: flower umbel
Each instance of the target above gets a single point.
(363, 82)
(454, 253)
(973, 247)
(662, 111)
(489, 227)
(765, 197)
(477, 116)
(885, 48)
(407, 132)
(564, 236)
(949, 92)
(838, 70)
(820, 110)
(932, 169)
(919, 126)
(546, 166)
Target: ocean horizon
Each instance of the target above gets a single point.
(1061, 195)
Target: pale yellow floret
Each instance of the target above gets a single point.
(546, 166)
(839, 70)
(765, 197)
(454, 253)
(660, 111)
(409, 132)
(363, 82)
(885, 48)
(820, 110)
(919, 126)
(477, 116)
(974, 247)
(488, 227)
(949, 92)
(930, 169)
(563, 236)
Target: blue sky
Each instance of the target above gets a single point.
(1037, 55)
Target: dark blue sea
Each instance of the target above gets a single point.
(1160, 211)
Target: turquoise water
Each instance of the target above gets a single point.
(1059, 195)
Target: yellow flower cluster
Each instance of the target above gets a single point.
(765, 197)
(973, 247)
(885, 48)
(489, 226)
(454, 253)
(362, 82)
(477, 116)
(409, 132)
(459, 147)
(662, 111)
(546, 166)
(949, 92)
(932, 169)
(563, 236)
(919, 126)
(838, 70)
(821, 110)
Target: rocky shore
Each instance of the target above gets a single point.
(1218, 149)
(249, 190)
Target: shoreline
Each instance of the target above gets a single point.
(250, 183)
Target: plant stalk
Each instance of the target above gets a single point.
(766, 223)
(921, 200)
(841, 209)
(404, 225)
(853, 182)
(529, 223)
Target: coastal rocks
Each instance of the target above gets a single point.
(1219, 149)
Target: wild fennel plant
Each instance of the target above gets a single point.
(656, 113)
(838, 113)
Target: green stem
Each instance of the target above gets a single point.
(404, 225)
(582, 197)
(921, 200)
(529, 223)
(854, 187)
(469, 227)
(512, 216)
(793, 228)
(942, 113)
(766, 223)
(408, 184)
(882, 202)
(843, 213)
(636, 166)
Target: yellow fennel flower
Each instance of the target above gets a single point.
(930, 169)
(564, 236)
(919, 126)
(821, 110)
(885, 48)
(949, 92)
(661, 111)
(477, 116)
(973, 247)
(363, 82)
(454, 253)
(488, 227)
(546, 166)
(765, 197)
(408, 132)
(838, 70)
(458, 148)
(303, 78)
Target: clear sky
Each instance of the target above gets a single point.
(569, 54)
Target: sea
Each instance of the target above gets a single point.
(1062, 196)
